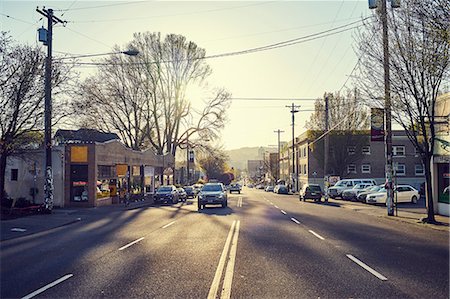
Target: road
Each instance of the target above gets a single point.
(263, 245)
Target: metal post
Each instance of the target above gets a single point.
(294, 172)
(387, 107)
(187, 160)
(278, 164)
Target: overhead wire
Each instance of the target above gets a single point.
(258, 49)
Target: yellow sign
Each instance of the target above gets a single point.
(121, 169)
(79, 154)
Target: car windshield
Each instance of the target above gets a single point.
(341, 184)
(188, 188)
(212, 188)
(314, 188)
(375, 188)
(164, 189)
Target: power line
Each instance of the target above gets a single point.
(259, 49)
(16, 19)
(271, 99)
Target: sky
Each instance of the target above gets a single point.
(262, 84)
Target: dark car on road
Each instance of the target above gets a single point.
(235, 187)
(212, 194)
(168, 194)
(311, 191)
(182, 195)
(190, 192)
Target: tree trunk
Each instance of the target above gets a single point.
(2, 176)
(429, 191)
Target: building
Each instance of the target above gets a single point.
(441, 158)
(351, 155)
(90, 169)
(255, 169)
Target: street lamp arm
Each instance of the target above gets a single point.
(128, 52)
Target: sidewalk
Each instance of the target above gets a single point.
(405, 214)
(32, 224)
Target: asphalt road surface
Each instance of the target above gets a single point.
(263, 245)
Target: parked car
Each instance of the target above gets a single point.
(311, 191)
(182, 195)
(269, 188)
(259, 186)
(168, 194)
(402, 193)
(340, 186)
(234, 187)
(351, 194)
(190, 192)
(212, 194)
(373, 189)
(281, 189)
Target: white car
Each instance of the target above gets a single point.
(351, 194)
(402, 193)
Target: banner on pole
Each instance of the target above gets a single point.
(377, 124)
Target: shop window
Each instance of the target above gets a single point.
(106, 172)
(79, 182)
(14, 174)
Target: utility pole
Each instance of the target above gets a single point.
(387, 102)
(187, 160)
(294, 109)
(326, 151)
(47, 39)
(278, 164)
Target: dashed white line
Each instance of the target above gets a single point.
(283, 212)
(295, 220)
(50, 285)
(168, 224)
(17, 229)
(132, 243)
(276, 206)
(317, 235)
(378, 275)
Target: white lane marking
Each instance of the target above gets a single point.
(228, 280)
(271, 203)
(17, 229)
(43, 289)
(378, 275)
(295, 220)
(317, 235)
(239, 202)
(169, 224)
(276, 206)
(283, 212)
(215, 283)
(132, 243)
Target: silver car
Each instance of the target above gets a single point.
(212, 194)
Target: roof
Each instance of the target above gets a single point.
(84, 136)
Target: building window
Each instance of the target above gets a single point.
(398, 150)
(304, 151)
(304, 169)
(351, 168)
(351, 150)
(14, 174)
(366, 150)
(365, 168)
(419, 170)
(400, 169)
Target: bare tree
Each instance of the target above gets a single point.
(143, 98)
(22, 97)
(213, 160)
(419, 63)
(348, 118)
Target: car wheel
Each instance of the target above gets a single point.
(414, 199)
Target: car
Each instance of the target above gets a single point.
(362, 195)
(351, 194)
(269, 188)
(197, 188)
(182, 195)
(340, 186)
(281, 189)
(259, 186)
(190, 192)
(234, 187)
(166, 193)
(311, 191)
(212, 194)
(402, 193)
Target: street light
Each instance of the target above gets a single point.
(130, 52)
(387, 101)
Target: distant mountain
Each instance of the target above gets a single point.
(239, 157)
